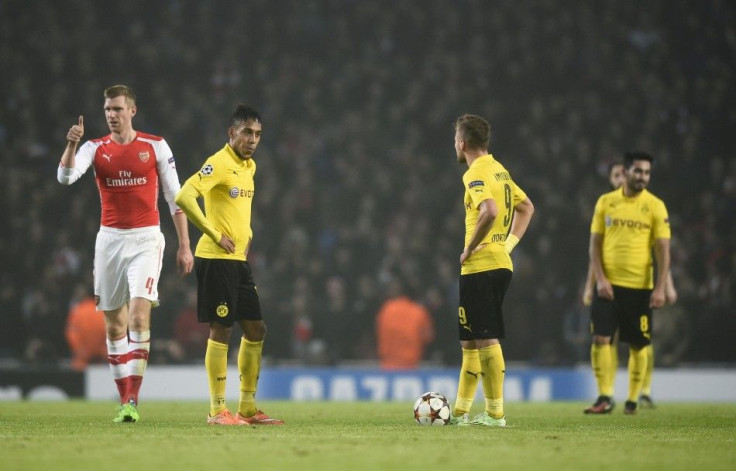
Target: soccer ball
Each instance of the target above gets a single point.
(432, 408)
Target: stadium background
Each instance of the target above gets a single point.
(357, 180)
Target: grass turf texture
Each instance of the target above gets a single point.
(80, 435)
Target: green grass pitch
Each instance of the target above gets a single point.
(80, 435)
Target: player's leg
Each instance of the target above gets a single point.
(215, 362)
(614, 363)
(467, 383)
(251, 348)
(482, 297)
(139, 345)
(637, 368)
(645, 400)
(636, 331)
(216, 304)
(470, 368)
(111, 296)
(493, 369)
(145, 251)
(603, 326)
(116, 327)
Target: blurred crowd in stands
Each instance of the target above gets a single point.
(357, 181)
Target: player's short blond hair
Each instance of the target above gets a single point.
(121, 90)
(474, 130)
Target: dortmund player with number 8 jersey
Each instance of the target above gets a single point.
(628, 225)
(497, 214)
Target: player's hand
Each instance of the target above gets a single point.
(465, 255)
(604, 289)
(657, 299)
(670, 295)
(227, 244)
(588, 296)
(184, 260)
(76, 132)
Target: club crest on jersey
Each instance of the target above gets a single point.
(144, 156)
(222, 310)
(207, 170)
(475, 183)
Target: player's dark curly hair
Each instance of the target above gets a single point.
(244, 113)
(631, 157)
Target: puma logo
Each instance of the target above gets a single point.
(475, 375)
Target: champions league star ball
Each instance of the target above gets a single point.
(432, 408)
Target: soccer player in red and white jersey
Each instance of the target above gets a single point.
(129, 166)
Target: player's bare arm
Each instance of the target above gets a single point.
(589, 284)
(603, 286)
(487, 214)
(522, 217)
(184, 258)
(670, 292)
(662, 256)
(73, 138)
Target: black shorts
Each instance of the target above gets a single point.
(629, 312)
(226, 292)
(480, 315)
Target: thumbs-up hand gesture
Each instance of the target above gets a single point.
(76, 132)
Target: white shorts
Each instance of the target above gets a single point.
(127, 265)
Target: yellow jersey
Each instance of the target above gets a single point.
(629, 227)
(226, 184)
(486, 179)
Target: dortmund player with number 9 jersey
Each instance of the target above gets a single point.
(497, 214)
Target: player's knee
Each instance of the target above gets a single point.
(220, 333)
(254, 331)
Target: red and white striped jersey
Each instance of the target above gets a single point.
(128, 178)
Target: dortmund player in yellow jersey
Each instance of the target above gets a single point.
(226, 290)
(628, 225)
(616, 180)
(497, 214)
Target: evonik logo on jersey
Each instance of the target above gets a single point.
(627, 223)
(235, 192)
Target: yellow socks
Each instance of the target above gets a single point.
(249, 365)
(637, 368)
(215, 361)
(614, 367)
(468, 383)
(647, 384)
(493, 369)
(600, 359)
